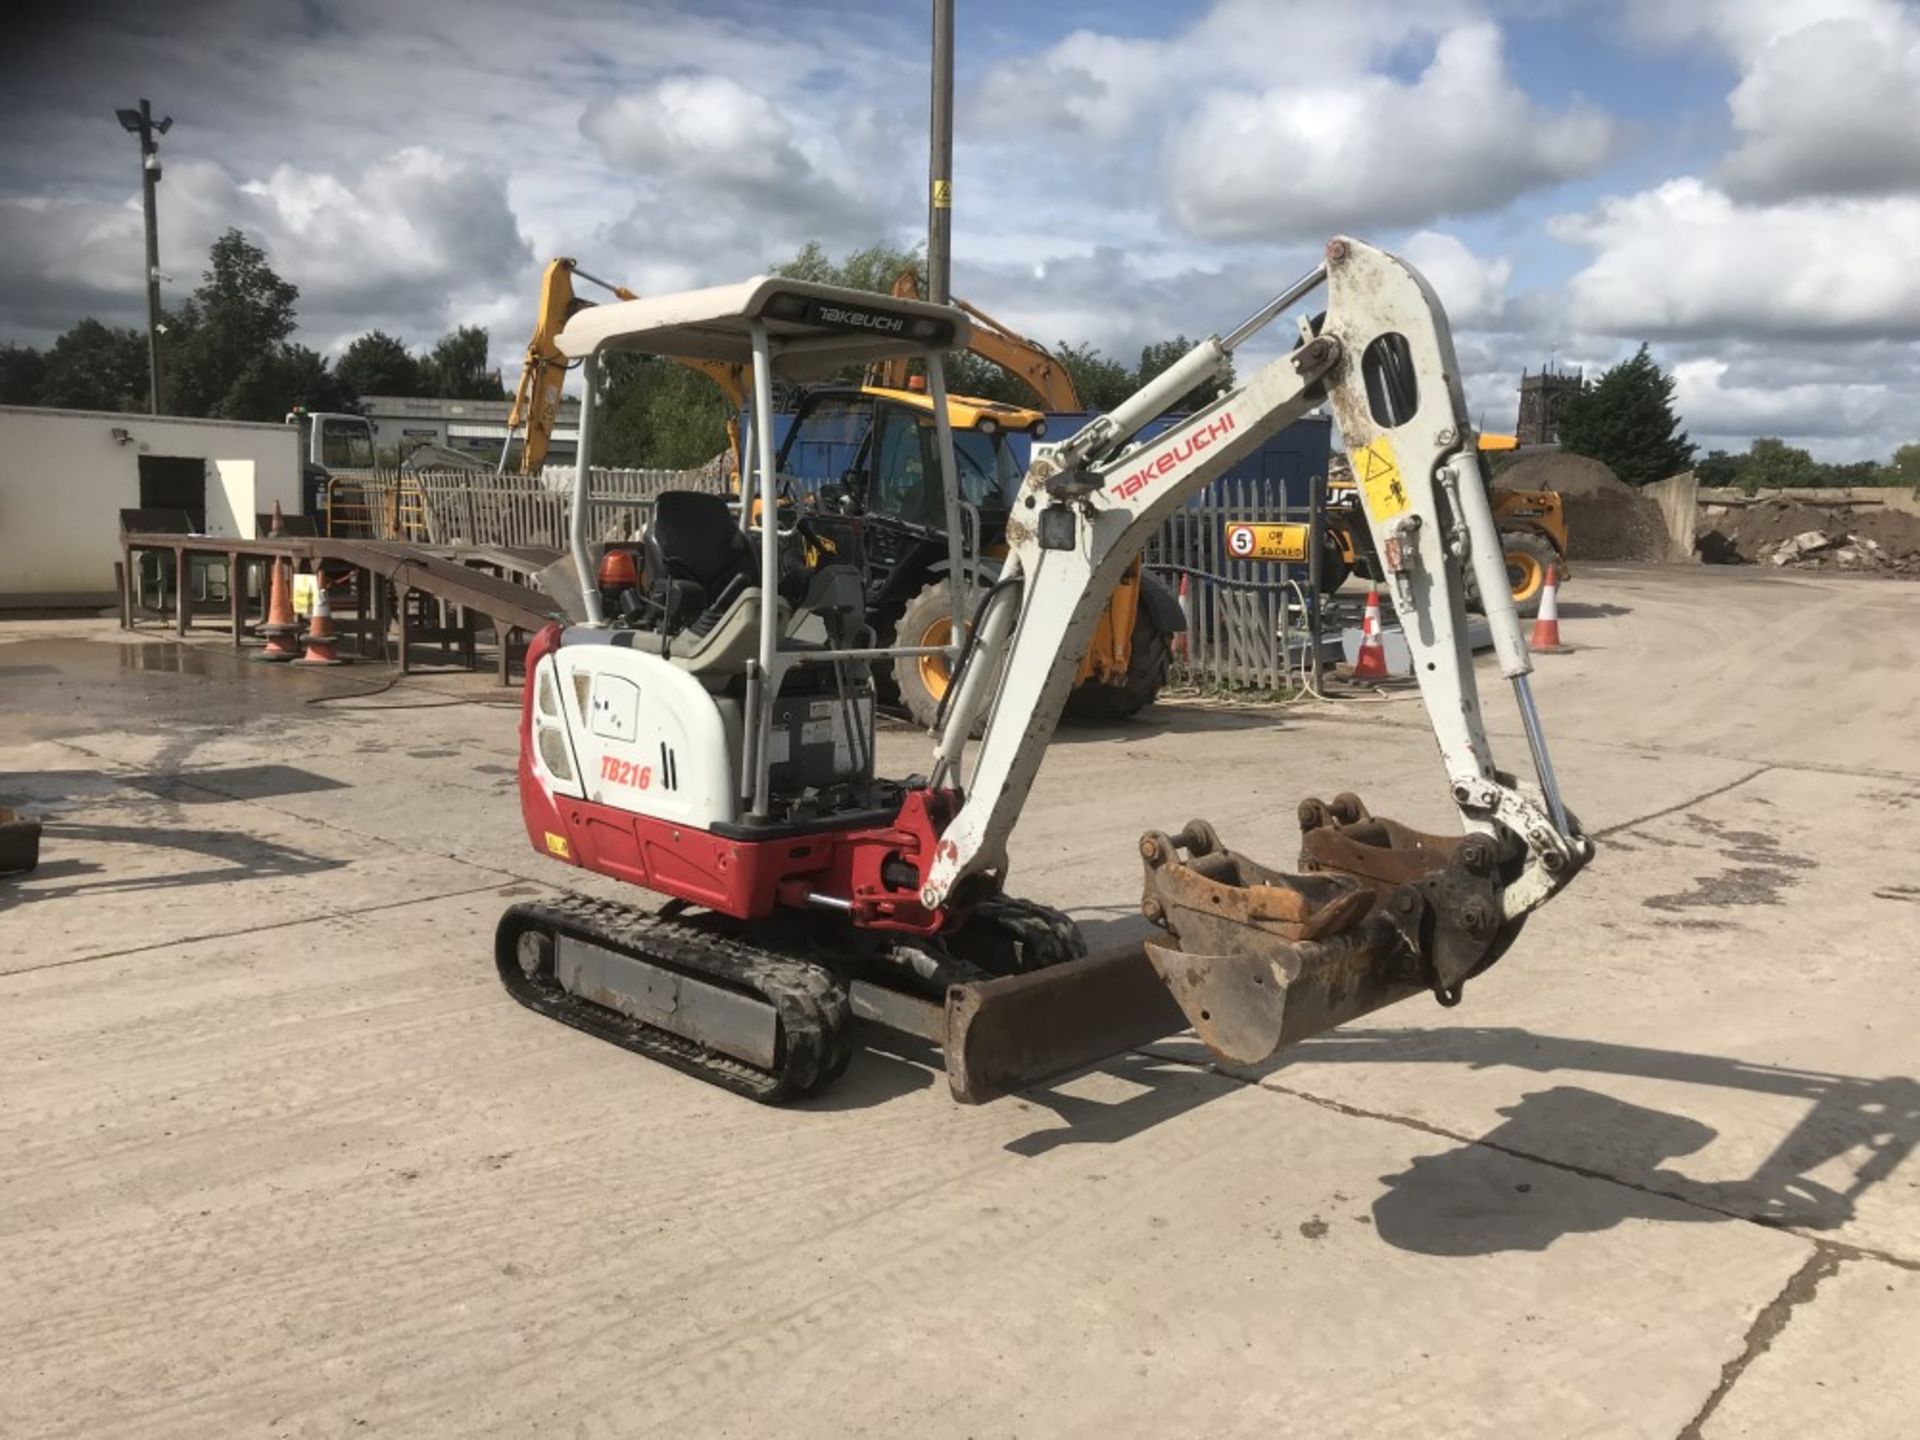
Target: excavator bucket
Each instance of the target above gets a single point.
(1258, 959)
(1253, 959)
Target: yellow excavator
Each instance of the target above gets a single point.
(881, 484)
(536, 401)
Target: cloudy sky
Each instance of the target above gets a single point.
(1735, 181)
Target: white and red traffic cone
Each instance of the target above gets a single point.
(281, 624)
(320, 638)
(1371, 661)
(1545, 639)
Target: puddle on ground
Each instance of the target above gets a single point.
(56, 687)
(169, 657)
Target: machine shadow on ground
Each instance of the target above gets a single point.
(1591, 610)
(1474, 1200)
(1595, 1134)
(1182, 716)
(233, 856)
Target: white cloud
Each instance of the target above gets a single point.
(1824, 104)
(1473, 290)
(708, 127)
(1716, 402)
(1301, 158)
(407, 245)
(1685, 259)
(1285, 120)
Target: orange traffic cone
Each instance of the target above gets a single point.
(1180, 641)
(281, 625)
(1371, 661)
(1545, 639)
(320, 638)
(278, 526)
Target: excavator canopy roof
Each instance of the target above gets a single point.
(816, 329)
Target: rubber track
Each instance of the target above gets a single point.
(809, 1000)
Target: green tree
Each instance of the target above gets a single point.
(1626, 420)
(22, 372)
(1856, 472)
(1719, 469)
(652, 412)
(971, 375)
(378, 364)
(1101, 382)
(237, 318)
(874, 268)
(1772, 464)
(285, 376)
(456, 368)
(1161, 355)
(1904, 468)
(96, 367)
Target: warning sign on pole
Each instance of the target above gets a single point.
(1283, 542)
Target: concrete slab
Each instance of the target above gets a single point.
(154, 857)
(1830, 1360)
(1720, 1014)
(321, 1171)
(374, 1193)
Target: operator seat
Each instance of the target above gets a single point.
(697, 559)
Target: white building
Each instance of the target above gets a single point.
(473, 427)
(65, 476)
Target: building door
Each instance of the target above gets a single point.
(175, 482)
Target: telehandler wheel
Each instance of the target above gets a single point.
(923, 680)
(1334, 568)
(1527, 556)
(1093, 703)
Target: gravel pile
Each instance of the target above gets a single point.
(1607, 519)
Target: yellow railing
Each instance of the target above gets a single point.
(364, 506)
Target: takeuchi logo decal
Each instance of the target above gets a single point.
(1176, 454)
(864, 319)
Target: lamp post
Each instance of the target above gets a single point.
(141, 122)
(940, 160)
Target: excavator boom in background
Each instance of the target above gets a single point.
(708, 733)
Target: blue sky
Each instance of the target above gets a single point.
(1736, 182)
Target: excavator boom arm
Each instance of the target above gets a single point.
(1026, 360)
(1384, 358)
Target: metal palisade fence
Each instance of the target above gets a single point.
(1246, 619)
(480, 509)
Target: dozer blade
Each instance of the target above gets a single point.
(1258, 959)
(1005, 1035)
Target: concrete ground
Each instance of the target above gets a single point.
(282, 1159)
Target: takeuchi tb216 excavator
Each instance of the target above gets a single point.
(708, 734)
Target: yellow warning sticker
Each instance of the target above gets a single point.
(943, 194)
(557, 845)
(1381, 486)
(1267, 542)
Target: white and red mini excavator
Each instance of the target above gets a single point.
(707, 732)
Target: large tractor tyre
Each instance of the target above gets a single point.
(922, 681)
(1527, 556)
(1095, 703)
(1334, 568)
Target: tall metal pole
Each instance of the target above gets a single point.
(940, 160)
(141, 122)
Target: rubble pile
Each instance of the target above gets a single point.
(1810, 536)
